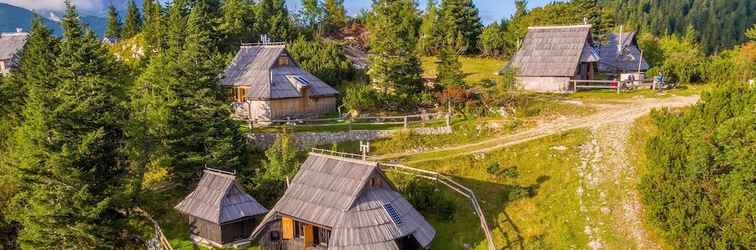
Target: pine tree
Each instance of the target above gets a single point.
(430, 35)
(335, 15)
(236, 24)
(461, 24)
(751, 33)
(66, 155)
(133, 24)
(33, 69)
(274, 19)
(180, 105)
(113, 29)
(176, 27)
(392, 47)
(449, 69)
(154, 30)
(492, 40)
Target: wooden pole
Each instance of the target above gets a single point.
(405, 122)
(249, 116)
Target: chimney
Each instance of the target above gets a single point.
(19, 30)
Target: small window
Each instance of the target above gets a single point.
(283, 61)
(275, 236)
(300, 230)
(324, 235)
(239, 94)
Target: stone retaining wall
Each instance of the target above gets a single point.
(309, 139)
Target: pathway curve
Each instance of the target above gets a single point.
(621, 111)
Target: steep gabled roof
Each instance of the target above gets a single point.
(255, 67)
(219, 199)
(552, 51)
(11, 43)
(332, 191)
(630, 59)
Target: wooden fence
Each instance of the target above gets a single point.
(162, 240)
(611, 84)
(404, 120)
(430, 175)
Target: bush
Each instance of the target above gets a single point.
(422, 194)
(699, 184)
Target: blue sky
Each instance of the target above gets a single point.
(490, 10)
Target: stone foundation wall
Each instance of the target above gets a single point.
(310, 139)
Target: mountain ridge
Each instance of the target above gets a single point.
(19, 17)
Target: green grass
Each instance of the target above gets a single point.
(642, 131)
(475, 68)
(548, 217)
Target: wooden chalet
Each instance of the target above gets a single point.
(219, 211)
(621, 55)
(342, 203)
(552, 56)
(10, 45)
(265, 83)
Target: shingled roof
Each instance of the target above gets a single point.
(332, 191)
(630, 59)
(255, 67)
(11, 43)
(219, 199)
(554, 51)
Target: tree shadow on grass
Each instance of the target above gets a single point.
(493, 198)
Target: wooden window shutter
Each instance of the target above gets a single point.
(309, 236)
(287, 226)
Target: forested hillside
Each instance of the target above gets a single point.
(721, 23)
(91, 133)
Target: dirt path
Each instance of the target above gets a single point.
(625, 111)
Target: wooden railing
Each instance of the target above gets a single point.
(162, 240)
(452, 184)
(378, 120)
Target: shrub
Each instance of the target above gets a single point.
(423, 195)
(493, 168)
(699, 186)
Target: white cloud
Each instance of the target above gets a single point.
(87, 5)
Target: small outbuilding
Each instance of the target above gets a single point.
(219, 211)
(343, 203)
(551, 56)
(10, 45)
(265, 83)
(621, 55)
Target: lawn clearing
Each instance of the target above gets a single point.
(533, 206)
(476, 69)
(609, 95)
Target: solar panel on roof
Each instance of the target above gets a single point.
(302, 80)
(392, 213)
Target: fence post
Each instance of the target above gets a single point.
(405, 121)
(448, 120)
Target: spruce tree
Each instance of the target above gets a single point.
(180, 111)
(113, 29)
(335, 15)
(66, 156)
(430, 32)
(492, 40)
(274, 19)
(236, 23)
(133, 23)
(154, 30)
(461, 24)
(392, 47)
(449, 69)
(33, 69)
(176, 25)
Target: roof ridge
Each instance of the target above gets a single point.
(561, 26)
